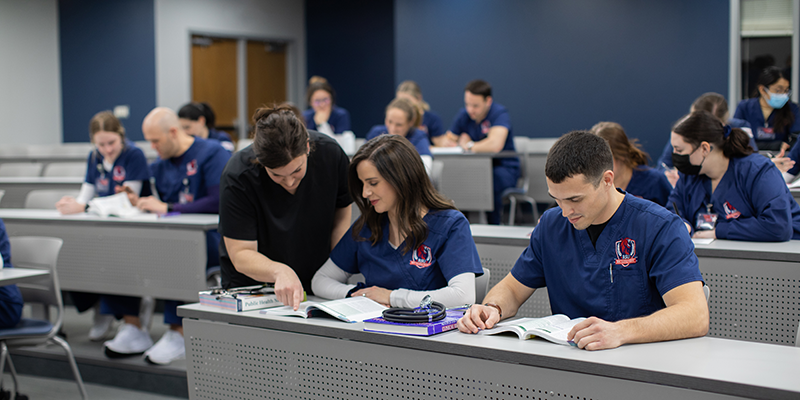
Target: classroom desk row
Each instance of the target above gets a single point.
(252, 356)
(16, 189)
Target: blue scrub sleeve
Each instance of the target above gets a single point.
(771, 205)
(344, 122)
(209, 204)
(91, 169)
(376, 131)
(503, 119)
(345, 254)
(421, 143)
(136, 169)
(435, 127)
(740, 110)
(665, 161)
(458, 254)
(675, 202)
(528, 269)
(673, 262)
(459, 124)
(794, 154)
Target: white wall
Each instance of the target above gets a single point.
(177, 20)
(30, 79)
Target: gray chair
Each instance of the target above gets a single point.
(436, 173)
(65, 170)
(45, 199)
(20, 169)
(520, 192)
(482, 285)
(38, 253)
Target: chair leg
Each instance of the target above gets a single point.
(146, 309)
(3, 354)
(7, 356)
(72, 364)
(512, 210)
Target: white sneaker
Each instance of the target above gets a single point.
(129, 341)
(102, 326)
(168, 349)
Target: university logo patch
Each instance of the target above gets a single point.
(422, 257)
(626, 252)
(730, 212)
(485, 127)
(119, 173)
(191, 168)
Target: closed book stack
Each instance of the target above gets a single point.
(419, 329)
(241, 299)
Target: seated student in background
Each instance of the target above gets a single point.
(10, 297)
(198, 119)
(186, 181)
(116, 162)
(484, 126)
(773, 118)
(283, 206)
(402, 119)
(631, 172)
(725, 190)
(324, 116)
(625, 263)
(431, 122)
(409, 241)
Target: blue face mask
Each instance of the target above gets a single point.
(776, 100)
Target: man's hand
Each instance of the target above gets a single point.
(712, 234)
(463, 140)
(477, 318)
(68, 205)
(288, 288)
(151, 204)
(596, 334)
(132, 197)
(378, 294)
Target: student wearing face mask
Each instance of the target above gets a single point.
(402, 119)
(773, 118)
(725, 190)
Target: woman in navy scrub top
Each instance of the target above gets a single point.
(631, 172)
(772, 116)
(324, 116)
(402, 119)
(409, 241)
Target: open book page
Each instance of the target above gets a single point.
(553, 328)
(702, 240)
(117, 205)
(351, 309)
(795, 184)
(446, 150)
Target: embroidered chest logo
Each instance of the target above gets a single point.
(191, 168)
(119, 173)
(626, 252)
(422, 257)
(485, 127)
(730, 212)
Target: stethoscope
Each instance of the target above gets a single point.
(428, 311)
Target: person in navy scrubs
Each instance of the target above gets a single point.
(484, 126)
(198, 119)
(114, 164)
(624, 263)
(775, 120)
(402, 119)
(631, 172)
(10, 297)
(726, 191)
(324, 116)
(409, 241)
(187, 181)
(431, 122)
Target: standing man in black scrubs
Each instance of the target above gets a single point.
(284, 204)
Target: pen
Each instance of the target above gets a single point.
(676, 210)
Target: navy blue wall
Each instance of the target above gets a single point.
(107, 59)
(351, 43)
(565, 65)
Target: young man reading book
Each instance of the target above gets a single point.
(626, 264)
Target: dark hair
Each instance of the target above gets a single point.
(479, 88)
(400, 165)
(413, 111)
(193, 111)
(623, 149)
(280, 136)
(576, 153)
(714, 103)
(319, 83)
(784, 118)
(295, 110)
(702, 126)
(106, 121)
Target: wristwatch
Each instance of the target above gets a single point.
(470, 144)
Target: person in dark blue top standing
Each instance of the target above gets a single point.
(631, 172)
(484, 126)
(725, 190)
(402, 119)
(431, 122)
(198, 119)
(624, 263)
(10, 297)
(324, 116)
(187, 177)
(774, 119)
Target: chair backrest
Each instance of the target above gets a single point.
(45, 199)
(242, 143)
(436, 173)
(38, 252)
(521, 146)
(706, 291)
(65, 169)
(482, 285)
(2, 193)
(20, 169)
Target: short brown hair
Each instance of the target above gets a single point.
(280, 136)
(479, 88)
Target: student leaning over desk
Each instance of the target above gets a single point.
(409, 241)
(283, 206)
(402, 118)
(114, 164)
(725, 190)
(624, 263)
(186, 181)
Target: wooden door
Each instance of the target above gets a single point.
(214, 79)
(266, 75)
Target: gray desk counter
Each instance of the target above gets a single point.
(164, 258)
(254, 355)
(16, 189)
(10, 276)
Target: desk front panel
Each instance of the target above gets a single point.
(125, 259)
(227, 361)
(468, 181)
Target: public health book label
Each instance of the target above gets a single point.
(239, 301)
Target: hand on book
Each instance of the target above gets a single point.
(378, 294)
(288, 287)
(151, 204)
(596, 334)
(68, 205)
(477, 318)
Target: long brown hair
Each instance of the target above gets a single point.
(280, 137)
(107, 122)
(627, 151)
(398, 162)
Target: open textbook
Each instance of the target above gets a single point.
(117, 205)
(553, 328)
(351, 309)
